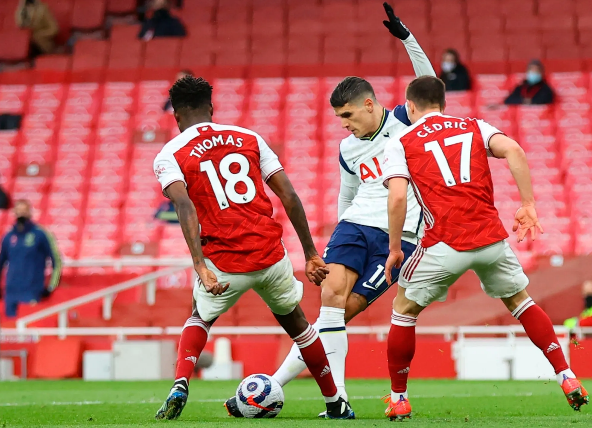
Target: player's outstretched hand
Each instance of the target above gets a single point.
(395, 260)
(394, 24)
(316, 270)
(210, 282)
(526, 220)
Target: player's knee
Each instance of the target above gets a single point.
(355, 304)
(514, 301)
(333, 298)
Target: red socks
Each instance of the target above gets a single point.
(193, 340)
(401, 348)
(539, 329)
(313, 354)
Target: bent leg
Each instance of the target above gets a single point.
(307, 340)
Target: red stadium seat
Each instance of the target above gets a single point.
(90, 54)
(62, 12)
(552, 7)
(121, 6)
(53, 62)
(18, 48)
(88, 15)
(124, 33)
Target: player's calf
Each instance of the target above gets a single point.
(539, 328)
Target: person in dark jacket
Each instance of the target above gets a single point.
(162, 24)
(26, 249)
(534, 89)
(454, 74)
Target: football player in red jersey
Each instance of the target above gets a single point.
(444, 159)
(214, 176)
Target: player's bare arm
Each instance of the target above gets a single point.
(526, 218)
(280, 184)
(190, 226)
(397, 211)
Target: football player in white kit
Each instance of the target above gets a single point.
(357, 251)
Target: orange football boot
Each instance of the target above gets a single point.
(575, 393)
(397, 411)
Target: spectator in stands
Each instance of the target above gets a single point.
(162, 24)
(36, 16)
(585, 318)
(454, 74)
(26, 248)
(534, 89)
(168, 107)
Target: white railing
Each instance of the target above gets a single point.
(132, 261)
(449, 332)
(107, 294)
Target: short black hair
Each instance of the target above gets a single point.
(427, 92)
(349, 90)
(193, 93)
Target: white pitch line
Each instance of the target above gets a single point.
(222, 400)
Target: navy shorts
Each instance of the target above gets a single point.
(364, 249)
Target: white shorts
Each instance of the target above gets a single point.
(429, 272)
(276, 285)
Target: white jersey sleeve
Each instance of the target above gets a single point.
(347, 191)
(421, 63)
(269, 162)
(395, 163)
(167, 170)
(487, 131)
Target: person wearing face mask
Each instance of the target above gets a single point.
(454, 74)
(26, 249)
(534, 89)
(162, 24)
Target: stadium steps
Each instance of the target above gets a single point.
(555, 289)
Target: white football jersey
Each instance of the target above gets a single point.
(361, 161)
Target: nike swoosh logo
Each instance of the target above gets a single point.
(387, 135)
(329, 353)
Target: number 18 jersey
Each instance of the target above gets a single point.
(445, 160)
(223, 168)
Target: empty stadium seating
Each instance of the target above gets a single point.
(84, 155)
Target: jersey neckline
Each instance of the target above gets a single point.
(385, 114)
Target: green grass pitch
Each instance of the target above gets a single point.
(435, 404)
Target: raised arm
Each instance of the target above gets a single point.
(421, 64)
(280, 184)
(525, 219)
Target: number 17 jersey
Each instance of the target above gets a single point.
(223, 168)
(445, 160)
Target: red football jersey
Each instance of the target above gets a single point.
(223, 168)
(445, 160)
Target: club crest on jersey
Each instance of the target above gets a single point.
(205, 145)
(366, 171)
(159, 170)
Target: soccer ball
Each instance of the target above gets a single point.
(259, 396)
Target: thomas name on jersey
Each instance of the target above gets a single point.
(205, 145)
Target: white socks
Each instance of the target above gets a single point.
(334, 338)
(395, 396)
(331, 326)
(293, 365)
(567, 373)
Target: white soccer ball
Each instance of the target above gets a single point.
(259, 396)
